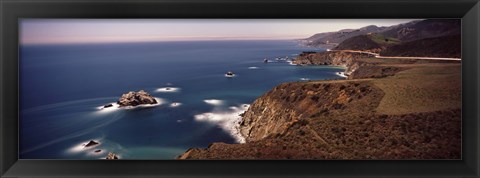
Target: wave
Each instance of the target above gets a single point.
(104, 145)
(116, 107)
(215, 102)
(61, 104)
(75, 134)
(341, 74)
(175, 104)
(253, 67)
(81, 146)
(229, 120)
(168, 89)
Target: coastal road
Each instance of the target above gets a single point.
(399, 57)
(427, 58)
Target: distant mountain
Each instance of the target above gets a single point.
(410, 31)
(427, 38)
(331, 39)
(424, 29)
(370, 42)
(444, 46)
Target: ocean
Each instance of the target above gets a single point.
(63, 87)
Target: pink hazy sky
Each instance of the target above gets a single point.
(65, 31)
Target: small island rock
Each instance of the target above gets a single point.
(111, 156)
(136, 98)
(91, 143)
(108, 105)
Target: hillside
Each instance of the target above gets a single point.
(445, 46)
(406, 32)
(427, 38)
(429, 28)
(403, 115)
(331, 39)
(361, 43)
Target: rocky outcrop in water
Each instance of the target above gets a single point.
(351, 60)
(91, 143)
(111, 156)
(136, 98)
(336, 58)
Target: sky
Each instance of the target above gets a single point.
(71, 31)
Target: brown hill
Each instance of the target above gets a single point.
(370, 42)
(445, 46)
(425, 29)
(404, 116)
(323, 39)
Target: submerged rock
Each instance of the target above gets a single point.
(108, 105)
(136, 98)
(98, 151)
(111, 156)
(91, 143)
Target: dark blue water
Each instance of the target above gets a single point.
(63, 86)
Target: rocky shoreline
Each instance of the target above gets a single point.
(352, 61)
(343, 118)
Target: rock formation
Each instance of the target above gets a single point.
(353, 119)
(108, 105)
(136, 98)
(111, 156)
(91, 143)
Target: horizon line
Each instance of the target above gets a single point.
(156, 41)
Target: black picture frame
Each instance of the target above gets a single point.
(12, 10)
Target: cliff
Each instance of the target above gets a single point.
(351, 60)
(354, 119)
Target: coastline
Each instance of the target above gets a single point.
(271, 118)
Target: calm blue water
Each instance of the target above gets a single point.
(62, 88)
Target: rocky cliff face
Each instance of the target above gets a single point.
(336, 58)
(277, 110)
(352, 61)
(339, 119)
(336, 120)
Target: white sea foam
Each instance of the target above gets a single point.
(341, 74)
(112, 108)
(81, 146)
(116, 107)
(304, 79)
(175, 104)
(214, 102)
(228, 120)
(168, 89)
(253, 67)
(160, 101)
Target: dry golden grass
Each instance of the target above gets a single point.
(422, 88)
